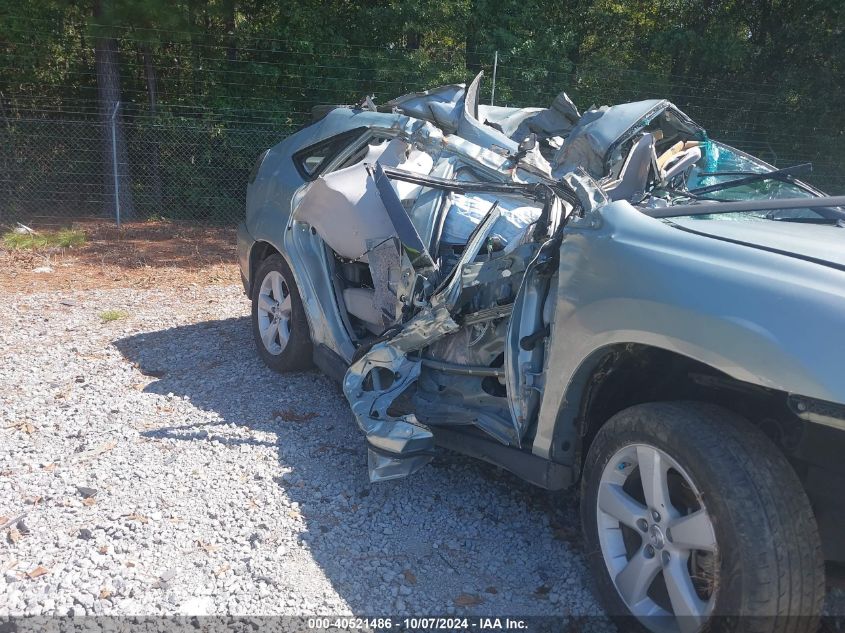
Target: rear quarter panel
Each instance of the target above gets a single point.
(272, 200)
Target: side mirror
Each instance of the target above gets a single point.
(526, 145)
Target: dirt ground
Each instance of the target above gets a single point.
(140, 254)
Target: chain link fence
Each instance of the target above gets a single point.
(57, 165)
(190, 134)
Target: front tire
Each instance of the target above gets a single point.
(694, 521)
(279, 324)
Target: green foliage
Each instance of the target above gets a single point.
(112, 315)
(232, 77)
(63, 238)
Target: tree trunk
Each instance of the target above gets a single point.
(413, 40)
(8, 196)
(113, 145)
(231, 42)
(155, 172)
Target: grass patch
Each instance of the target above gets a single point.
(112, 315)
(63, 238)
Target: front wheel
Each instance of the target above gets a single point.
(694, 521)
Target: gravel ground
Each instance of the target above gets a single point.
(163, 469)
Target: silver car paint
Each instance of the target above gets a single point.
(271, 200)
(273, 197)
(761, 317)
(623, 278)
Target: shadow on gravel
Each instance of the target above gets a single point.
(460, 535)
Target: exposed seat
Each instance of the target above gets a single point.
(642, 162)
(680, 161)
(633, 177)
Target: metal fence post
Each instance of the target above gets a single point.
(495, 68)
(114, 163)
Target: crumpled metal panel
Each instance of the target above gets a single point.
(383, 467)
(556, 120)
(398, 445)
(473, 130)
(567, 309)
(451, 289)
(441, 106)
(385, 267)
(597, 130)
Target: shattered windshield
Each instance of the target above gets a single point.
(721, 164)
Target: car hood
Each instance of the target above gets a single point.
(823, 244)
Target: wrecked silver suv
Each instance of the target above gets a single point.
(609, 299)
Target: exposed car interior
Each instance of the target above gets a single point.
(647, 153)
(349, 213)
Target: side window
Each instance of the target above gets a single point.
(371, 149)
(312, 160)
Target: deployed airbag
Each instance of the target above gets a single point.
(466, 211)
(345, 207)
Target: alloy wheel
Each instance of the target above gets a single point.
(657, 539)
(274, 312)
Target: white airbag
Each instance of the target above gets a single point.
(345, 208)
(465, 213)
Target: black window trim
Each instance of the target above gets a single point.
(342, 141)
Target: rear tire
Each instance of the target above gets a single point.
(279, 324)
(760, 566)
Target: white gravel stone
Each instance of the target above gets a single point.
(210, 500)
(201, 605)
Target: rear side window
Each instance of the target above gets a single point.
(312, 160)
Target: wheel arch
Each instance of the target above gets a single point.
(259, 251)
(622, 375)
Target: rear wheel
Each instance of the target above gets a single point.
(279, 325)
(692, 517)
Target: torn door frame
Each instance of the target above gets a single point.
(399, 445)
